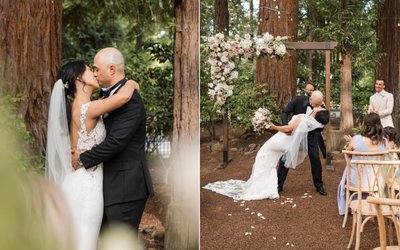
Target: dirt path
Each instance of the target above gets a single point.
(313, 223)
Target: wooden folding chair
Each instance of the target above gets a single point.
(349, 155)
(392, 208)
(394, 155)
(373, 178)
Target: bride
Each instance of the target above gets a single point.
(290, 142)
(75, 122)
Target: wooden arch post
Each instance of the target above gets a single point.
(327, 46)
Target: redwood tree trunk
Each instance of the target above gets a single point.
(182, 220)
(388, 52)
(279, 75)
(309, 38)
(251, 17)
(346, 105)
(30, 53)
(186, 71)
(221, 16)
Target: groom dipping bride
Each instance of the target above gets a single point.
(290, 143)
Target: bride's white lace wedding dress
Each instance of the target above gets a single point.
(263, 182)
(83, 188)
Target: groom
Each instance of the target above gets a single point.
(126, 181)
(302, 105)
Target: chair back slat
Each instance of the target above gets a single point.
(393, 208)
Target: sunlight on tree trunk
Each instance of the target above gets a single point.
(279, 18)
(182, 222)
(346, 105)
(388, 52)
(30, 53)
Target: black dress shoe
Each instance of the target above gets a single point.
(321, 191)
(280, 189)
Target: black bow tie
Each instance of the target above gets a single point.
(104, 93)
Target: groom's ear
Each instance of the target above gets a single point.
(112, 69)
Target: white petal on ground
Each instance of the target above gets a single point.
(259, 214)
(242, 205)
(253, 212)
(229, 214)
(273, 237)
(287, 244)
(294, 205)
(247, 208)
(252, 227)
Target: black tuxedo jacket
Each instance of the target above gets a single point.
(126, 177)
(297, 105)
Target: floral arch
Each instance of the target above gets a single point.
(224, 52)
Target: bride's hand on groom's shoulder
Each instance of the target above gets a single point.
(135, 84)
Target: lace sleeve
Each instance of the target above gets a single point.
(82, 119)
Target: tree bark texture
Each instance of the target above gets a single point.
(30, 53)
(186, 71)
(346, 104)
(279, 18)
(221, 16)
(251, 17)
(182, 216)
(388, 51)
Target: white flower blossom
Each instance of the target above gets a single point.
(281, 50)
(234, 75)
(223, 52)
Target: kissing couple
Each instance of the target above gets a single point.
(105, 179)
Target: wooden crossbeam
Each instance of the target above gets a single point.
(311, 45)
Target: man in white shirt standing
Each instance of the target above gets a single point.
(382, 103)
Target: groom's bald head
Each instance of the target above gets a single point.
(109, 66)
(316, 98)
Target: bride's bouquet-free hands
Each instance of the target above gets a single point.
(261, 120)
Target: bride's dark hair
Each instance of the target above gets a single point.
(373, 128)
(322, 117)
(68, 73)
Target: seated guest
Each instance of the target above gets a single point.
(391, 136)
(370, 140)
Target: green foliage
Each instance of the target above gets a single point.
(153, 70)
(14, 123)
(143, 32)
(353, 28)
(250, 97)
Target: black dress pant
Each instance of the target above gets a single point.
(129, 213)
(313, 154)
(321, 144)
